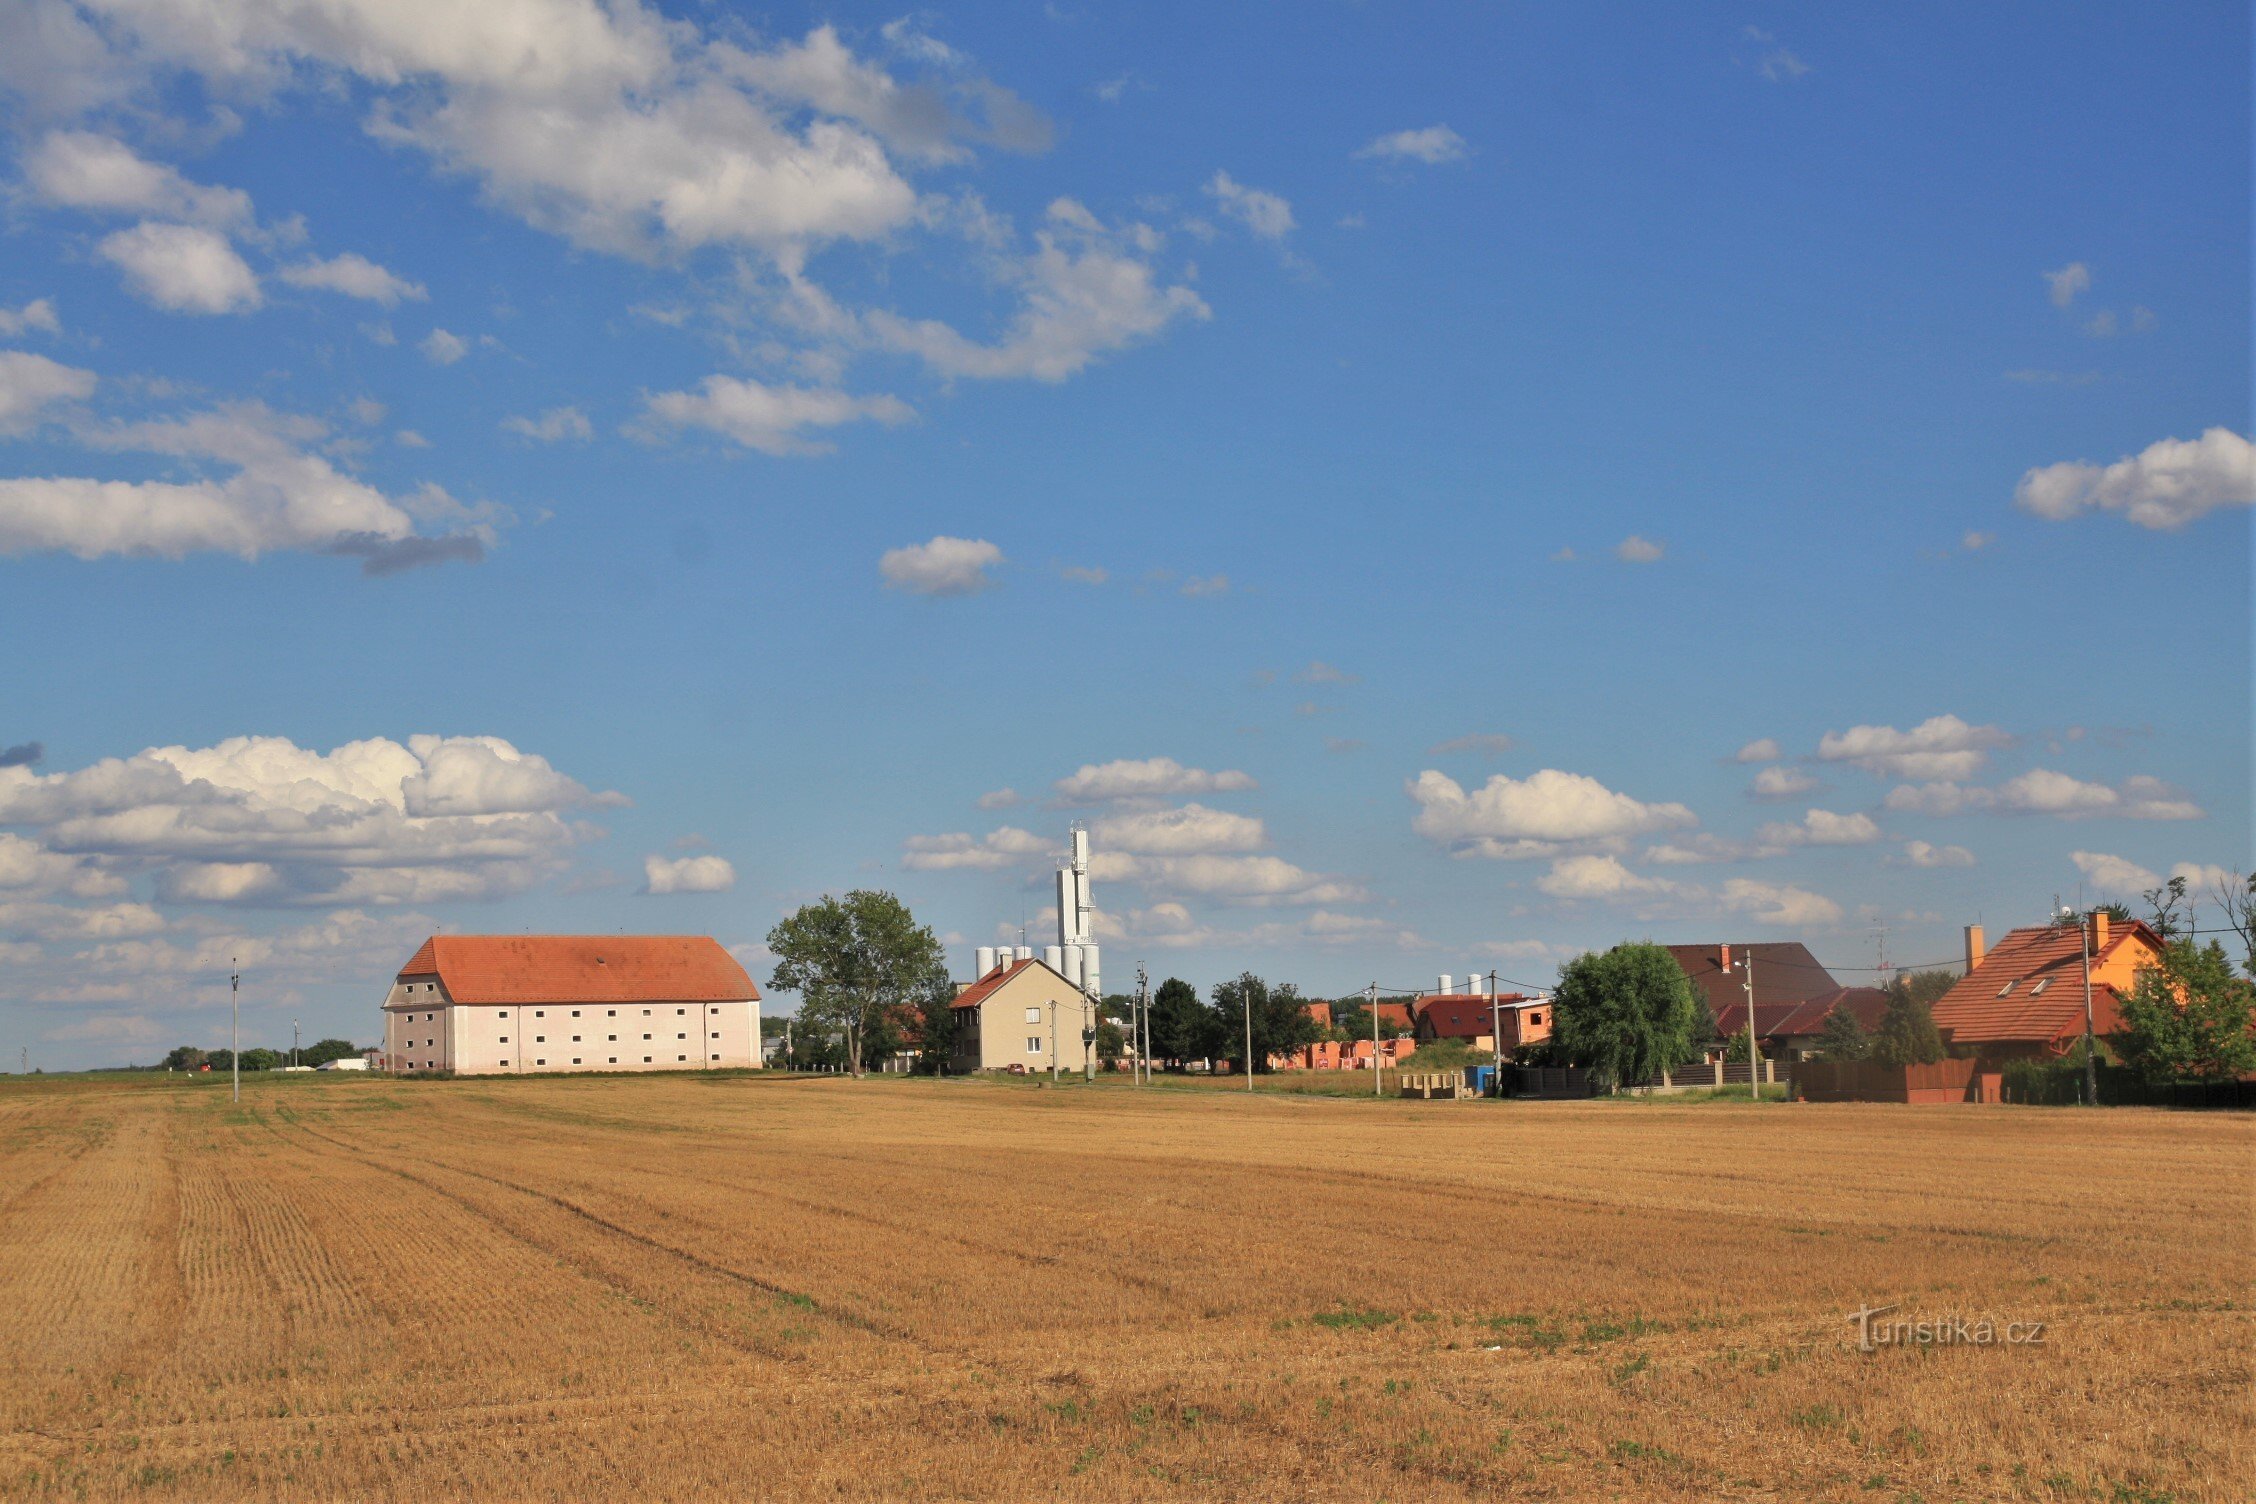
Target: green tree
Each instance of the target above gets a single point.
(261, 1059)
(2164, 902)
(1626, 1015)
(1843, 1039)
(326, 1050)
(1907, 1034)
(856, 963)
(938, 1030)
(1276, 1016)
(184, 1058)
(1112, 1041)
(1181, 1026)
(1926, 987)
(2188, 1018)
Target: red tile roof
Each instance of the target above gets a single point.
(1785, 972)
(2040, 973)
(1397, 1014)
(582, 969)
(988, 985)
(1462, 1015)
(1796, 1020)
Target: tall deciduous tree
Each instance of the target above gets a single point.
(1626, 1015)
(858, 963)
(2187, 1019)
(1907, 1034)
(1843, 1039)
(1181, 1027)
(1277, 1016)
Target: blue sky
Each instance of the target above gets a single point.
(1433, 489)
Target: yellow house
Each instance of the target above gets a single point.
(1020, 1017)
(2025, 996)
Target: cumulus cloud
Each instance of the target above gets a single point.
(1201, 587)
(553, 425)
(1006, 847)
(1184, 830)
(38, 314)
(260, 819)
(1147, 778)
(772, 418)
(1432, 145)
(688, 874)
(2114, 874)
(1511, 818)
(998, 799)
(2063, 285)
(356, 277)
(942, 567)
(1086, 290)
(183, 268)
(441, 348)
(1941, 747)
(2042, 791)
(1253, 881)
(30, 384)
(1781, 783)
(1637, 550)
(76, 169)
(1925, 854)
(1762, 749)
(1600, 877)
(2165, 486)
(1262, 212)
(1820, 827)
(268, 490)
(1779, 904)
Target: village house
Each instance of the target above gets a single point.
(485, 1005)
(1468, 1017)
(1020, 1017)
(1792, 992)
(2025, 997)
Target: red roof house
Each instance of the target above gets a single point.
(2026, 997)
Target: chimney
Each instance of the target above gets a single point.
(1723, 955)
(2098, 931)
(1974, 950)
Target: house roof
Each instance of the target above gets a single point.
(1785, 972)
(1397, 1014)
(1463, 1015)
(2030, 986)
(582, 969)
(1798, 1020)
(1001, 977)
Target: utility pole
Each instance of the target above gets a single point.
(1371, 1006)
(235, 1025)
(1142, 1026)
(1053, 1042)
(1092, 1010)
(1247, 995)
(1495, 1039)
(293, 1041)
(1754, 1050)
(2091, 1063)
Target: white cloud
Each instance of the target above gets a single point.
(1006, 847)
(1257, 881)
(1203, 587)
(1599, 877)
(1763, 749)
(1511, 818)
(1082, 574)
(1781, 783)
(274, 493)
(553, 425)
(2042, 791)
(83, 170)
(770, 418)
(2113, 874)
(2063, 285)
(1783, 66)
(37, 314)
(1185, 830)
(1923, 854)
(689, 874)
(2165, 486)
(1636, 550)
(998, 799)
(259, 819)
(1085, 291)
(29, 384)
(1484, 743)
(356, 277)
(1821, 827)
(1320, 672)
(1941, 747)
(1431, 145)
(1148, 778)
(442, 348)
(1260, 211)
(183, 268)
(944, 566)
(1776, 903)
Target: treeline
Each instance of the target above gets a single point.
(189, 1058)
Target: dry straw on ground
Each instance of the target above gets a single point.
(738, 1287)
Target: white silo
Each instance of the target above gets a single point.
(986, 960)
(1053, 956)
(1073, 964)
(1445, 988)
(1026, 953)
(1090, 982)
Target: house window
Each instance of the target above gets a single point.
(681, 1057)
(614, 1060)
(646, 1060)
(681, 1036)
(504, 1013)
(646, 1013)
(505, 1064)
(610, 1013)
(2008, 987)
(540, 1039)
(1033, 1015)
(575, 1039)
(646, 1036)
(716, 1033)
(540, 1062)
(681, 1010)
(505, 1039)
(716, 1057)
(1033, 1044)
(2041, 984)
(540, 1013)
(612, 1037)
(575, 1060)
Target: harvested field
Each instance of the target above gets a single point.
(695, 1288)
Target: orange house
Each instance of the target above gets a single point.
(2025, 998)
